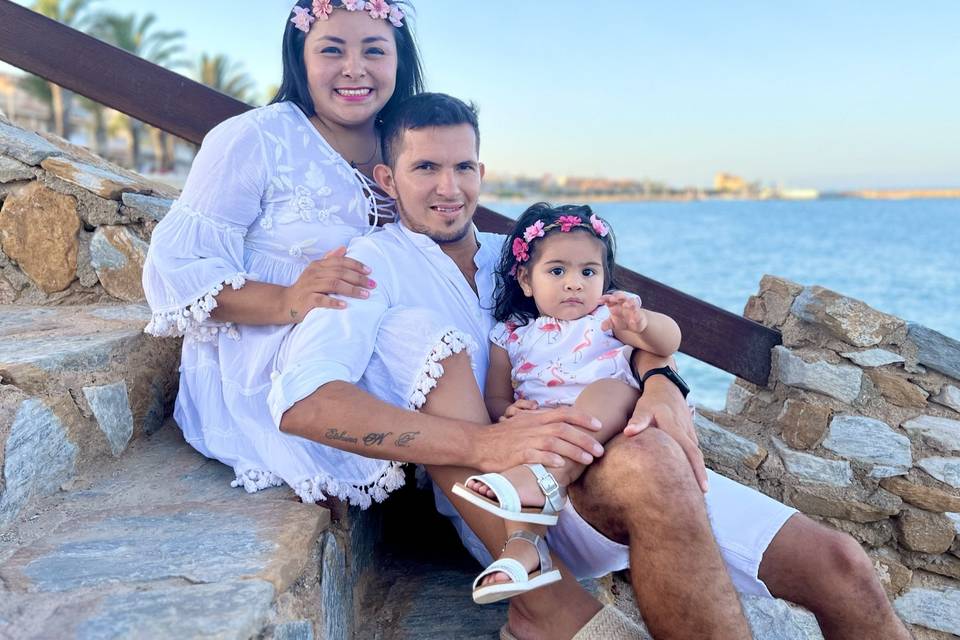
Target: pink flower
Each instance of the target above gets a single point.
(302, 19)
(534, 231)
(378, 9)
(322, 9)
(520, 249)
(353, 5)
(599, 226)
(513, 271)
(568, 222)
(396, 16)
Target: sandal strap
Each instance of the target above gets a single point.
(555, 495)
(517, 573)
(506, 493)
(546, 564)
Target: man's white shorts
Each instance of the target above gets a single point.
(744, 522)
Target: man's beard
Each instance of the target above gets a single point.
(440, 237)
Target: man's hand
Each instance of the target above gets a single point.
(663, 406)
(537, 437)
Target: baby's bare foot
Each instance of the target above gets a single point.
(523, 481)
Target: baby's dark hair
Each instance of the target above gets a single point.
(509, 302)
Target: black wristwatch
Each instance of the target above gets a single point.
(670, 375)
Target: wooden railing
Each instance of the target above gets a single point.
(189, 110)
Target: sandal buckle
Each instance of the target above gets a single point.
(548, 485)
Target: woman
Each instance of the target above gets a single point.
(255, 242)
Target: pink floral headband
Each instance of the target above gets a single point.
(378, 9)
(521, 246)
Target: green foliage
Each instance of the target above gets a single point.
(226, 76)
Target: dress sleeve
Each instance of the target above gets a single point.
(197, 248)
(501, 333)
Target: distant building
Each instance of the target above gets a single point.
(729, 183)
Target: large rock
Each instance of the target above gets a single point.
(772, 304)
(872, 357)
(925, 531)
(932, 608)
(38, 229)
(111, 408)
(813, 469)
(38, 455)
(893, 575)
(846, 318)
(835, 380)
(833, 503)
(725, 447)
(25, 146)
(118, 255)
(93, 210)
(12, 170)
(945, 470)
(941, 433)
(949, 396)
(936, 350)
(98, 180)
(898, 390)
(139, 207)
(803, 424)
(929, 498)
(870, 441)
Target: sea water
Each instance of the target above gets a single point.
(900, 257)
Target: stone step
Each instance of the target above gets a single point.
(77, 384)
(157, 545)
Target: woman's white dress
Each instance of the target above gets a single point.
(266, 196)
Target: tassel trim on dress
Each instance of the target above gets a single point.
(452, 341)
(189, 321)
(322, 486)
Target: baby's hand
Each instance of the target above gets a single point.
(625, 313)
(519, 407)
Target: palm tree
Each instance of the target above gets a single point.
(76, 14)
(226, 76)
(137, 35)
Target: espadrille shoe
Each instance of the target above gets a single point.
(609, 624)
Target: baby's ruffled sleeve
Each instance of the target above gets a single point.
(501, 333)
(197, 249)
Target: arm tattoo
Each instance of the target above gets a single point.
(406, 438)
(334, 434)
(375, 439)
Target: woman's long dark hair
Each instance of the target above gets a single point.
(509, 301)
(294, 86)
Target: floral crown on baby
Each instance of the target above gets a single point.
(521, 246)
(303, 18)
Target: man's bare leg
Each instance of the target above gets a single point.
(827, 572)
(457, 396)
(642, 493)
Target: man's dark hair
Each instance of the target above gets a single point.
(419, 112)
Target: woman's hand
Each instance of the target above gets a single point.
(519, 407)
(334, 273)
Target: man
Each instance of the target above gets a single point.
(638, 505)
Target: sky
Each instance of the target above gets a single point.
(830, 95)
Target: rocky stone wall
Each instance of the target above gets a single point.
(74, 229)
(859, 427)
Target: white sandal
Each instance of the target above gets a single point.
(508, 505)
(520, 580)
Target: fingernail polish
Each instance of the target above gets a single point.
(371, 284)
